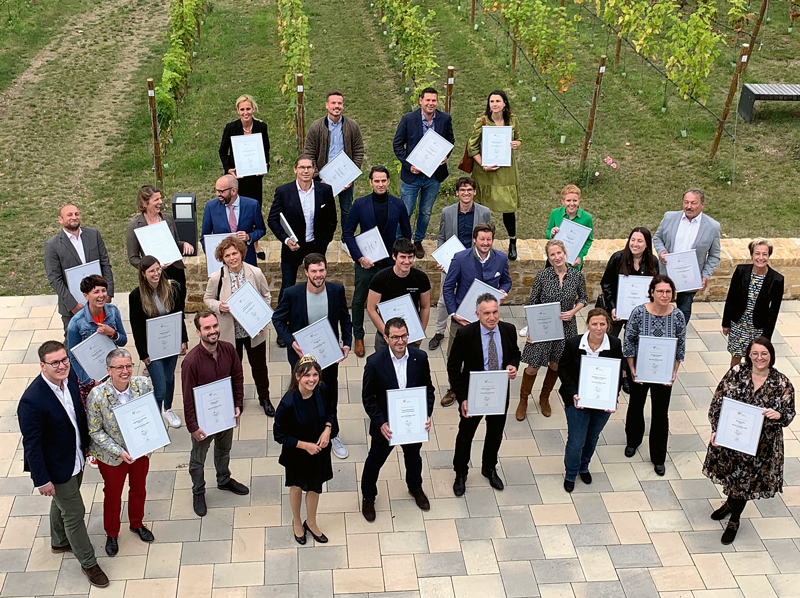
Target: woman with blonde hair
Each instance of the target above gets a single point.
(571, 210)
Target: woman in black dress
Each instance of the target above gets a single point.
(246, 124)
(304, 424)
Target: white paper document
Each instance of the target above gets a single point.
(370, 244)
(444, 254)
(157, 240)
(213, 404)
(683, 269)
(319, 340)
(403, 307)
(544, 322)
(487, 392)
(91, 354)
(468, 306)
(250, 310)
(339, 172)
(141, 425)
(164, 336)
(598, 383)
(631, 292)
(655, 359)
(574, 236)
(408, 413)
(739, 426)
(496, 146)
(248, 155)
(428, 154)
(288, 229)
(74, 276)
(211, 242)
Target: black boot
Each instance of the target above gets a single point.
(512, 248)
(269, 410)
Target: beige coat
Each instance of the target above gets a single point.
(211, 301)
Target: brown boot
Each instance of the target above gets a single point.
(524, 392)
(547, 387)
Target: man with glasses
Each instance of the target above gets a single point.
(55, 438)
(234, 214)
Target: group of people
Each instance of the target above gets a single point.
(66, 416)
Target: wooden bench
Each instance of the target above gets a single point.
(770, 92)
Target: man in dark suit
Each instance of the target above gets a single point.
(55, 438)
(72, 246)
(306, 303)
(475, 349)
(409, 133)
(397, 366)
(234, 213)
(382, 210)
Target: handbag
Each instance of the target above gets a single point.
(467, 162)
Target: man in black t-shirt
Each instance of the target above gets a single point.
(401, 279)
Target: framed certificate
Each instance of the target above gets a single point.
(544, 322)
(164, 336)
(141, 425)
(487, 392)
(444, 254)
(211, 242)
(403, 307)
(250, 310)
(213, 404)
(288, 229)
(574, 236)
(157, 240)
(496, 145)
(248, 155)
(339, 172)
(683, 269)
(631, 292)
(739, 426)
(655, 359)
(75, 275)
(428, 154)
(466, 308)
(319, 340)
(408, 412)
(598, 384)
(91, 354)
(370, 244)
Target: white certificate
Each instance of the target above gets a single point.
(339, 172)
(574, 237)
(487, 392)
(91, 354)
(403, 307)
(444, 254)
(75, 275)
(739, 426)
(213, 404)
(288, 229)
(250, 310)
(319, 340)
(248, 155)
(468, 307)
(428, 154)
(655, 359)
(496, 146)
(370, 244)
(598, 383)
(408, 412)
(544, 322)
(631, 292)
(684, 271)
(157, 240)
(211, 242)
(141, 425)
(164, 336)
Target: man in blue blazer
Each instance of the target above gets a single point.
(55, 438)
(390, 216)
(306, 303)
(409, 133)
(232, 209)
(397, 366)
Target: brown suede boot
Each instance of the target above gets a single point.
(547, 387)
(524, 392)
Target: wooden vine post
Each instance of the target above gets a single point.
(740, 66)
(448, 97)
(151, 99)
(301, 116)
(472, 14)
(587, 140)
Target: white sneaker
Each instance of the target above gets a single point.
(523, 332)
(173, 420)
(338, 448)
(92, 462)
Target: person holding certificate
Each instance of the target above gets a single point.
(397, 366)
(497, 186)
(157, 296)
(658, 318)
(584, 424)
(108, 447)
(304, 423)
(743, 476)
(558, 284)
(221, 285)
(571, 210)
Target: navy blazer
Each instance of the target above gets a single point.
(409, 134)
(291, 315)
(465, 267)
(569, 366)
(291, 425)
(362, 213)
(48, 436)
(379, 376)
(215, 222)
(287, 202)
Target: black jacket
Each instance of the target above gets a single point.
(236, 128)
(287, 202)
(292, 425)
(569, 366)
(610, 281)
(139, 320)
(768, 302)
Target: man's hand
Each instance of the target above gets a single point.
(347, 187)
(297, 349)
(199, 435)
(444, 161)
(223, 307)
(48, 489)
(387, 433)
(365, 263)
(237, 413)
(75, 310)
(233, 172)
(503, 295)
(415, 170)
(440, 267)
(464, 409)
(705, 283)
(575, 400)
(188, 249)
(512, 372)
(106, 330)
(614, 315)
(184, 349)
(126, 457)
(292, 244)
(242, 236)
(460, 320)
(346, 351)
(662, 258)
(428, 425)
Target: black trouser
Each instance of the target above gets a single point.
(379, 451)
(257, 356)
(659, 416)
(495, 424)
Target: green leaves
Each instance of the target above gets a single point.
(295, 50)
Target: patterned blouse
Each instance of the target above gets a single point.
(643, 323)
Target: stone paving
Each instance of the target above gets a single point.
(629, 534)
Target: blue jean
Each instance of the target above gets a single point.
(162, 374)
(345, 202)
(684, 303)
(427, 189)
(583, 430)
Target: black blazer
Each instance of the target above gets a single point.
(236, 128)
(379, 376)
(48, 436)
(569, 366)
(291, 425)
(139, 320)
(287, 201)
(409, 134)
(466, 355)
(768, 302)
(610, 281)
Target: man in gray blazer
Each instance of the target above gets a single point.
(72, 246)
(457, 219)
(685, 230)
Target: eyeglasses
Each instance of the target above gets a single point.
(764, 355)
(663, 291)
(466, 190)
(402, 337)
(305, 168)
(59, 363)
(120, 368)
(221, 191)
(156, 271)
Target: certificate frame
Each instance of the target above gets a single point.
(655, 359)
(141, 425)
(157, 240)
(593, 391)
(574, 236)
(340, 172)
(488, 391)
(319, 340)
(213, 404)
(211, 242)
(248, 155)
(739, 426)
(250, 309)
(496, 145)
(684, 271)
(91, 354)
(408, 412)
(370, 244)
(403, 307)
(287, 228)
(466, 309)
(445, 252)
(544, 322)
(161, 334)
(73, 277)
(428, 154)
(626, 300)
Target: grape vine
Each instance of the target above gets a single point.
(295, 50)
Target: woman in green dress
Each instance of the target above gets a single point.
(497, 186)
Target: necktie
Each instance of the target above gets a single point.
(231, 219)
(493, 361)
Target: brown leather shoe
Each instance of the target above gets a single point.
(60, 549)
(449, 398)
(96, 576)
(421, 500)
(368, 510)
(359, 349)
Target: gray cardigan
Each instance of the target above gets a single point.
(706, 244)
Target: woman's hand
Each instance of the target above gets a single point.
(126, 457)
(106, 330)
(184, 349)
(575, 400)
(146, 361)
(310, 448)
(772, 414)
(223, 307)
(614, 315)
(726, 330)
(491, 168)
(576, 263)
(515, 144)
(188, 249)
(713, 438)
(566, 316)
(324, 438)
(553, 232)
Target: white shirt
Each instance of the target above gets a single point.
(400, 369)
(307, 203)
(584, 344)
(66, 401)
(687, 233)
(77, 244)
(123, 396)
